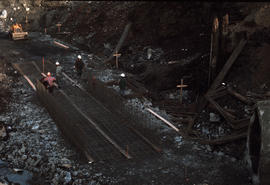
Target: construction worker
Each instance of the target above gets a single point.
(122, 84)
(79, 65)
(58, 73)
(49, 80)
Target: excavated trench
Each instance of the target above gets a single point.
(50, 165)
(184, 45)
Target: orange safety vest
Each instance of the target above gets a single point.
(50, 80)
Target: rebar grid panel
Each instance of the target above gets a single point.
(74, 126)
(114, 126)
(116, 104)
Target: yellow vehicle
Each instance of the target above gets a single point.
(16, 32)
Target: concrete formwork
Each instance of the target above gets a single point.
(258, 144)
(74, 126)
(96, 131)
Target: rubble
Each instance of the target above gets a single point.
(214, 117)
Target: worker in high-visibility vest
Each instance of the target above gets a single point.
(49, 80)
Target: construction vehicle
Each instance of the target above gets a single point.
(16, 32)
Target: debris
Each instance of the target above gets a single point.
(17, 170)
(67, 177)
(35, 127)
(223, 140)
(214, 117)
(222, 73)
(149, 53)
(227, 66)
(239, 96)
(66, 165)
(229, 117)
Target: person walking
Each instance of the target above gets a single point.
(79, 65)
(58, 73)
(49, 80)
(122, 84)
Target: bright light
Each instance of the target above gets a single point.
(27, 9)
(14, 8)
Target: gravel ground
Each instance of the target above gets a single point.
(36, 145)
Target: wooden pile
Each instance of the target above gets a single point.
(188, 115)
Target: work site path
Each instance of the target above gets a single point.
(95, 130)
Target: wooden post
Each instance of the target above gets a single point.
(117, 55)
(181, 89)
(59, 27)
(225, 23)
(43, 64)
(223, 42)
(214, 50)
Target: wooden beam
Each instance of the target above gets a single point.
(239, 124)
(239, 96)
(120, 42)
(223, 140)
(27, 79)
(229, 117)
(167, 122)
(60, 44)
(228, 65)
(222, 73)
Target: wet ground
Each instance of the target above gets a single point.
(35, 144)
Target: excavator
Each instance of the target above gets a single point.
(16, 32)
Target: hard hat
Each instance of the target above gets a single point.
(57, 63)
(48, 74)
(122, 75)
(79, 57)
